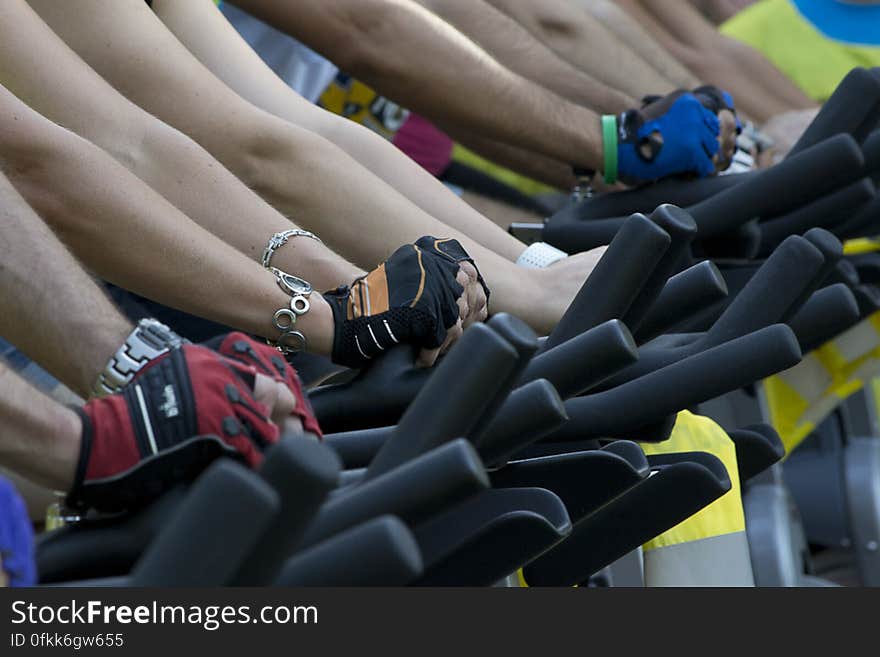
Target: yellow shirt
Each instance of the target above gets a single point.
(815, 59)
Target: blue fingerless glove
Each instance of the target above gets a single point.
(675, 135)
(16, 538)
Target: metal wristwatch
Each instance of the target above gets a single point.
(291, 340)
(149, 339)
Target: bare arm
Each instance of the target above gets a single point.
(203, 29)
(125, 232)
(629, 31)
(516, 48)
(39, 438)
(396, 47)
(298, 172)
(579, 38)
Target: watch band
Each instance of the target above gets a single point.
(539, 255)
(290, 340)
(149, 339)
(280, 239)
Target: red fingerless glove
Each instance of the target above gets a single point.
(183, 410)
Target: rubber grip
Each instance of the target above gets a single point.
(828, 212)
(692, 380)
(829, 312)
(227, 506)
(585, 360)
(684, 295)
(453, 399)
(524, 340)
(813, 172)
(680, 192)
(380, 552)
(530, 413)
(302, 472)
(682, 229)
(849, 108)
(616, 281)
(412, 492)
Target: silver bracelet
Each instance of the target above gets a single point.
(280, 239)
(150, 339)
(290, 341)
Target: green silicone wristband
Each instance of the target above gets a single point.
(609, 146)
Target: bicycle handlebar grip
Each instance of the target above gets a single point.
(682, 230)
(412, 491)
(684, 295)
(530, 413)
(828, 313)
(522, 338)
(863, 222)
(617, 279)
(871, 150)
(578, 236)
(453, 399)
(680, 192)
(849, 110)
(228, 505)
(380, 552)
(771, 292)
(831, 249)
(585, 360)
(302, 472)
(827, 212)
(692, 380)
(394, 374)
(813, 172)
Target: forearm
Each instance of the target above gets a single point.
(396, 47)
(126, 233)
(629, 31)
(580, 39)
(39, 438)
(539, 167)
(517, 48)
(210, 37)
(59, 316)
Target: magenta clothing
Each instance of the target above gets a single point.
(425, 144)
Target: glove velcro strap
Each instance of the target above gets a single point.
(609, 146)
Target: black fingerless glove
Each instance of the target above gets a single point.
(411, 298)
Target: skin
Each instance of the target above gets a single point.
(298, 172)
(760, 89)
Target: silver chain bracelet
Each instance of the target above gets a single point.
(290, 341)
(280, 239)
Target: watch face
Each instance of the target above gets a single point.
(295, 285)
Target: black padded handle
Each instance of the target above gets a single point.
(827, 212)
(871, 150)
(394, 374)
(849, 109)
(380, 552)
(585, 360)
(453, 400)
(682, 230)
(778, 284)
(616, 281)
(815, 171)
(680, 385)
(828, 313)
(358, 448)
(530, 413)
(413, 491)
(678, 191)
(302, 472)
(863, 223)
(684, 295)
(228, 506)
(524, 340)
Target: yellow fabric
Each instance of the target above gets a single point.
(801, 397)
(511, 178)
(861, 245)
(356, 101)
(813, 61)
(695, 433)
